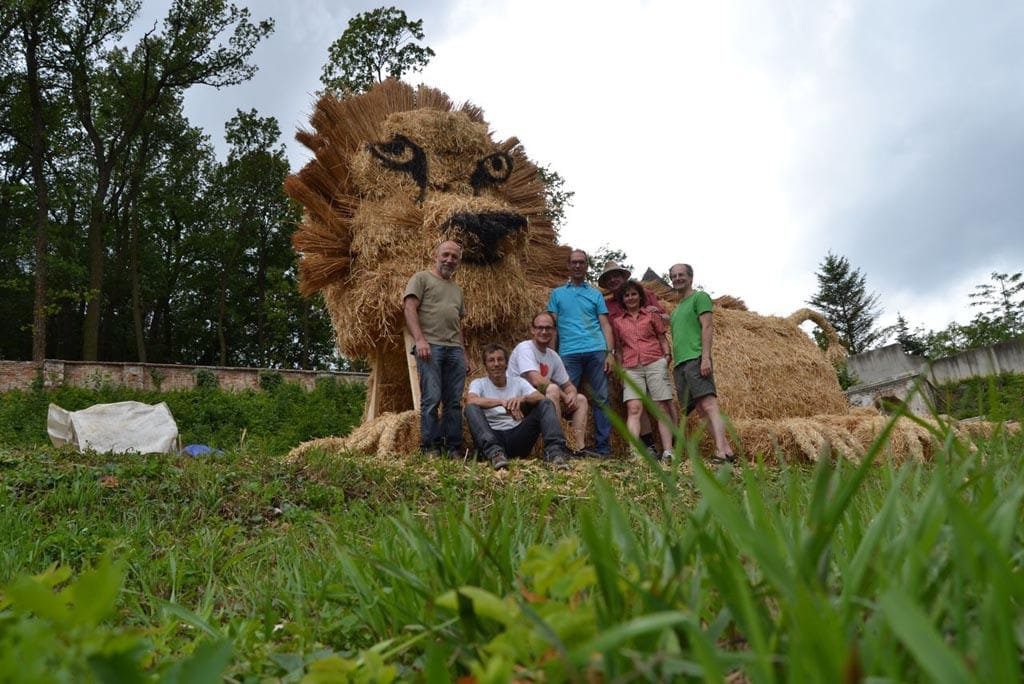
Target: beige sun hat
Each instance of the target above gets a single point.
(609, 268)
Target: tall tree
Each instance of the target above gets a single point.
(1001, 318)
(844, 300)
(559, 198)
(376, 45)
(1002, 306)
(29, 29)
(114, 90)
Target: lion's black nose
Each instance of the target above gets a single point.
(482, 234)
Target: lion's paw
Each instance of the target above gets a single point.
(389, 433)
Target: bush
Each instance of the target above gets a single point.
(270, 380)
(207, 379)
(995, 397)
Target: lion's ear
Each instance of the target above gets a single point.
(324, 238)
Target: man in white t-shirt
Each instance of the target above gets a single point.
(500, 427)
(535, 361)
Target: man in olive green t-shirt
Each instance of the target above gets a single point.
(433, 314)
(692, 333)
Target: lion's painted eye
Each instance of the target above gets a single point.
(402, 154)
(491, 170)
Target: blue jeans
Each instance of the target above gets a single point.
(589, 367)
(442, 380)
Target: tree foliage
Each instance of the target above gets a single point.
(1000, 318)
(601, 256)
(121, 230)
(558, 197)
(910, 341)
(844, 300)
(376, 45)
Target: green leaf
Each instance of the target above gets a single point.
(483, 603)
(912, 627)
(187, 616)
(95, 592)
(29, 595)
(614, 638)
(204, 666)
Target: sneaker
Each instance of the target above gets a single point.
(724, 458)
(589, 453)
(499, 461)
(558, 460)
(666, 458)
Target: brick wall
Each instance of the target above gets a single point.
(146, 376)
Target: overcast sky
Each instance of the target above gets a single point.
(747, 137)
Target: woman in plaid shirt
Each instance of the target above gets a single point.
(642, 349)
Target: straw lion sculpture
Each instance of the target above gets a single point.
(397, 170)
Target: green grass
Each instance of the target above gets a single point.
(361, 569)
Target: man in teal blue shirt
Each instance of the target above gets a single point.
(585, 342)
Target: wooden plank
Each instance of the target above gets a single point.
(373, 392)
(414, 376)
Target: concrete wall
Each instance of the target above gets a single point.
(1005, 357)
(888, 373)
(882, 364)
(910, 388)
(148, 376)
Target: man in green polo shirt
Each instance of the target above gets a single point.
(691, 353)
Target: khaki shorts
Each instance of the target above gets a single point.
(691, 385)
(652, 379)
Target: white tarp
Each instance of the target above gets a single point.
(123, 426)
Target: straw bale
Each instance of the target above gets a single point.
(848, 435)
(766, 367)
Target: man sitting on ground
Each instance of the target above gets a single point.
(534, 361)
(498, 423)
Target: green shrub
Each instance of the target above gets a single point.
(206, 379)
(996, 397)
(270, 380)
(55, 627)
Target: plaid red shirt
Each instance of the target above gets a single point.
(637, 340)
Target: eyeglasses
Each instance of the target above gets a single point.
(543, 327)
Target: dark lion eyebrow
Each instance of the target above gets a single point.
(390, 154)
